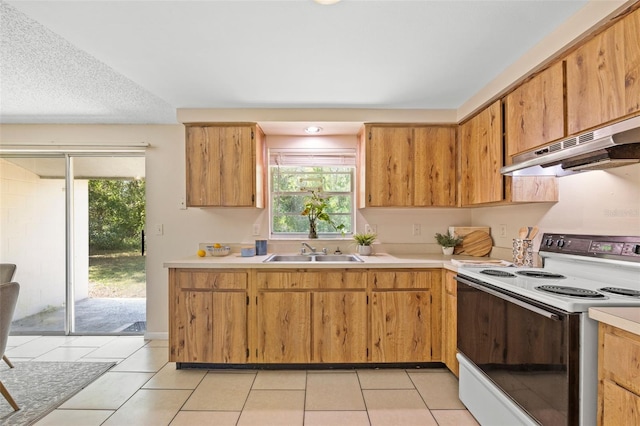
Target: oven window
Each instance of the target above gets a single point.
(531, 357)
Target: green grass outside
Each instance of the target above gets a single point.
(117, 274)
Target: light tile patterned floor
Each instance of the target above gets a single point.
(145, 389)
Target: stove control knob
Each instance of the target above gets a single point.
(560, 243)
(549, 242)
(636, 249)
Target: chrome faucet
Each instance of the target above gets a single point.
(303, 250)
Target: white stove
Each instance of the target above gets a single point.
(511, 330)
(574, 263)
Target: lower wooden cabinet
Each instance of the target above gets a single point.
(312, 316)
(304, 316)
(208, 316)
(619, 377)
(450, 322)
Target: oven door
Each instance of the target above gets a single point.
(528, 350)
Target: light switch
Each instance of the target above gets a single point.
(159, 229)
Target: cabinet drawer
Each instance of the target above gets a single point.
(212, 280)
(300, 279)
(403, 279)
(312, 280)
(620, 360)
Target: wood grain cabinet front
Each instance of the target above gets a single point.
(312, 316)
(534, 112)
(603, 76)
(225, 165)
(450, 322)
(405, 316)
(482, 157)
(208, 316)
(407, 166)
(619, 377)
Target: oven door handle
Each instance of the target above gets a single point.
(510, 299)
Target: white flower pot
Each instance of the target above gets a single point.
(447, 250)
(364, 250)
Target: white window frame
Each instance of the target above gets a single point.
(312, 158)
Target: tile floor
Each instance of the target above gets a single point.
(145, 389)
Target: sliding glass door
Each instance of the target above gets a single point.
(67, 220)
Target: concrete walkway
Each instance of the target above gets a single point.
(93, 316)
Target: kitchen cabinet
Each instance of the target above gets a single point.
(534, 111)
(225, 165)
(450, 322)
(312, 316)
(619, 376)
(208, 316)
(481, 157)
(406, 166)
(603, 76)
(405, 316)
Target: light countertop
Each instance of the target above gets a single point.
(378, 260)
(627, 319)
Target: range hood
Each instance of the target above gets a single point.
(612, 146)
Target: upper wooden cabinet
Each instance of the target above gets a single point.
(534, 112)
(225, 165)
(482, 156)
(406, 166)
(603, 76)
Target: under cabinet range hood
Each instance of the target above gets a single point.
(612, 146)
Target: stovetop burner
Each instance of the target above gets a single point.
(571, 291)
(621, 291)
(540, 274)
(496, 273)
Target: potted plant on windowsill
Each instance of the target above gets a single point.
(448, 242)
(364, 242)
(315, 208)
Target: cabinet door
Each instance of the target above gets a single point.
(435, 166)
(534, 112)
(224, 166)
(450, 322)
(481, 155)
(209, 327)
(389, 168)
(632, 62)
(284, 327)
(203, 166)
(596, 81)
(620, 407)
(237, 164)
(192, 324)
(340, 326)
(400, 326)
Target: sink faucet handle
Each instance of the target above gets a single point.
(324, 251)
(303, 250)
(337, 251)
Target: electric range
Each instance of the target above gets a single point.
(528, 355)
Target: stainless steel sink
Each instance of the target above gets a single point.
(289, 258)
(338, 258)
(313, 258)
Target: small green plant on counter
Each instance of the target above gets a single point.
(448, 240)
(365, 239)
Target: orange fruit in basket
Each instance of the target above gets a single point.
(217, 245)
(202, 253)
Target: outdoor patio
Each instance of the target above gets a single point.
(93, 316)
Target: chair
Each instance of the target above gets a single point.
(8, 300)
(7, 271)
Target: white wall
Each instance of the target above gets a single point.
(602, 202)
(32, 229)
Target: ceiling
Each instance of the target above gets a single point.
(140, 61)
